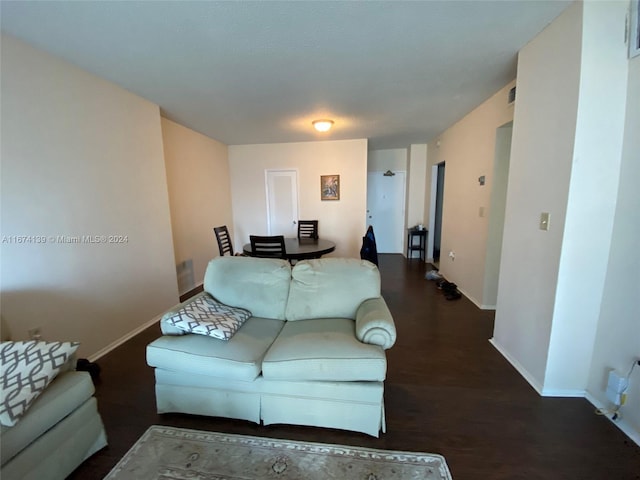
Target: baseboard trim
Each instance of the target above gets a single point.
(475, 302)
(627, 429)
(559, 392)
(517, 365)
(121, 340)
(190, 293)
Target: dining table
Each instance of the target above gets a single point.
(302, 248)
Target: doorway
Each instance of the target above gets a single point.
(497, 208)
(438, 170)
(385, 209)
(282, 202)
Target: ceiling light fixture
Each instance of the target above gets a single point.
(322, 125)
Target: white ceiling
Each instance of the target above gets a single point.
(243, 72)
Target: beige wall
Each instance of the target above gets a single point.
(568, 297)
(199, 197)
(468, 148)
(617, 342)
(342, 221)
(540, 169)
(80, 156)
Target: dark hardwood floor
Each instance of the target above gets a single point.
(448, 391)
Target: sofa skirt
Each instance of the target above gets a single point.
(59, 451)
(355, 406)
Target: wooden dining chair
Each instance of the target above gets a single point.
(224, 240)
(268, 247)
(308, 229)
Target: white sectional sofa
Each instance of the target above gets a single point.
(312, 353)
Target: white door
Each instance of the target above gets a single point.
(282, 202)
(385, 210)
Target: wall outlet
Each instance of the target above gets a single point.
(452, 255)
(616, 385)
(35, 333)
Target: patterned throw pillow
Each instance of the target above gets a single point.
(207, 316)
(26, 369)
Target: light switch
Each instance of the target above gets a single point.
(481, 212)
(544, 221)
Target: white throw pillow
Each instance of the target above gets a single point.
(207, 316)
(26, 369)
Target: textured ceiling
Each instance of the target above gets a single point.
(259, 72)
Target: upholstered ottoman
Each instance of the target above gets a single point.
(60, 430)
(50, 420)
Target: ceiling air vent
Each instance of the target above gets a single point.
(512, 96)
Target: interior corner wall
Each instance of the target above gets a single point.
(87, 253)
(199, 184)
(585, 250)
(497, 209)
(544, 129)
(341, 221)
(417, 173)
(468, 149)
(617, 341)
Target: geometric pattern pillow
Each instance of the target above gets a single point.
(207, 316)
(26, 369)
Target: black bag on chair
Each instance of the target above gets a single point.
(369, 250)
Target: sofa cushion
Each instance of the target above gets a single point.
(331, 288)
(63, 395)
(27, 369)
(207, 316)
(240, 358)
(323, 349)
(261, 285)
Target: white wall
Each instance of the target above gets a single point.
(560, 303)
(540, 168)
(394, 159)
(417, 179)
(539, 173)
(468, 148)
(342, 221)
(80, 156)
(617, 342)
(199, 196)
(593, 192)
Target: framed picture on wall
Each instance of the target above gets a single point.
(329, 187)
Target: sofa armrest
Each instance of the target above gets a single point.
(374, 323)
(166, 327)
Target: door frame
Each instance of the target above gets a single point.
(432, 210)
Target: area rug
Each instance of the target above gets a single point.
(166, 453)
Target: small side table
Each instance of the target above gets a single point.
(421, 246)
